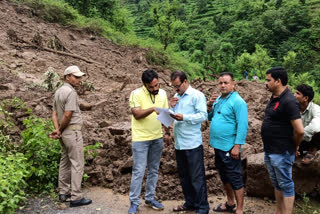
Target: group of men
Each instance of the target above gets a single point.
(282, 132)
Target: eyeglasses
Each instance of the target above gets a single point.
(177, 86)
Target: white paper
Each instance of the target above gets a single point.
(164, 116)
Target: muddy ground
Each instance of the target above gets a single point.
(27, 52)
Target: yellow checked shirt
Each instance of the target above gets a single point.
(148, 128)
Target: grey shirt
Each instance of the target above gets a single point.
(66, 99)
(311, 121)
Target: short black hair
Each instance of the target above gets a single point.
(226, 74)
(179, 74)
(306, 90)
(148, 75)
(279, 73)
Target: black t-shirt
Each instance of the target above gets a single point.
(276, 130)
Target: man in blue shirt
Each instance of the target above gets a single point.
(189, 106)
(228, 131)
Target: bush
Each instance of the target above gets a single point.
(42, 152)
(53, 11)
(13, 171)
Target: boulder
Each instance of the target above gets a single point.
(306, 177)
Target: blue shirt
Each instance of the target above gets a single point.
(229, 122)
(187, 133)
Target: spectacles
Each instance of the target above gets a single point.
(177, 86)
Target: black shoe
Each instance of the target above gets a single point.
(80, 202)
(63, 197)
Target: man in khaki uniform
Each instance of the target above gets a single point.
(67, 121)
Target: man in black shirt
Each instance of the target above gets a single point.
(282, 132)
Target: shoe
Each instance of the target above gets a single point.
(80, 202)
(133, 209)
(63, 197)
(154, 204)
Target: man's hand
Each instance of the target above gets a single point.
(297, 151)
(177, 116)
(56, 134)
(235, 152)
(173, 101)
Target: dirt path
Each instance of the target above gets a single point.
(106, 202)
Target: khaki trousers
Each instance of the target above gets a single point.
(71, 164)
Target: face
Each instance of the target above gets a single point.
(179, 87)
(226, 85)
(271, 84)
(301, 99)
(73, 80)
(153, 86)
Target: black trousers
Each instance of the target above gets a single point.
(192, 177)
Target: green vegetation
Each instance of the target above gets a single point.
(31, 165)
(204, 37)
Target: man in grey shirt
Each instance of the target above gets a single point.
(310, 115)
(67, 121)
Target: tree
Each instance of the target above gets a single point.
(167, 26)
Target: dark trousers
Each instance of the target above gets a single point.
(314, 143)
(192, 177)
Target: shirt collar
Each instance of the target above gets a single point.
(308, 108)
(69, 85)
(187, 92)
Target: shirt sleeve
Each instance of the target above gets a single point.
(134, 100)
(71, 101)
(241, 111)
(293, 110)
(200, 114)
(314, 126)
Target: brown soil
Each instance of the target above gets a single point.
(114, 71)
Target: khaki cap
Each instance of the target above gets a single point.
(73, 70)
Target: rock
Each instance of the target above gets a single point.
(120, 128)
(104, 124)
(109, 175)
(258, 182)
(127, 166)
(29, 56)
(84, 106)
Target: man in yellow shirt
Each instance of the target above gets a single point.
(147, 142)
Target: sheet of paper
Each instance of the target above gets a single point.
(164, 116)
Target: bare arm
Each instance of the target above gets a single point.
(55, 120)
(55, 134)
(65, 120)
(298, 131)
(138, 113)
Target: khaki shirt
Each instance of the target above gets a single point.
(66, 99)
(311, 121)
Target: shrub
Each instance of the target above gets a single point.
(42, 152)
(13, 170)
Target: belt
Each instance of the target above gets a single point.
(74, 127)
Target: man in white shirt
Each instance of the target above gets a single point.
(310, 115)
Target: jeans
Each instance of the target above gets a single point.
(279, 167)
(145, 153)
(192, 177)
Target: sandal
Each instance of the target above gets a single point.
(308, 158)
(182, 208)
(229, 209)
